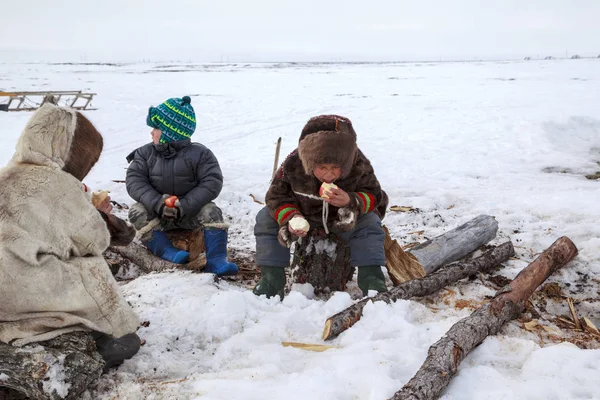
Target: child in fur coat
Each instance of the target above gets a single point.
(53, 277)
(326, 153)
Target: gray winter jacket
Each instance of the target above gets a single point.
(187, 170)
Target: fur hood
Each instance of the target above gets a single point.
(59, 138)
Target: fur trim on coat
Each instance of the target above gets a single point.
(53, 277)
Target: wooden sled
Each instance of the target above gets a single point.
(30, 101)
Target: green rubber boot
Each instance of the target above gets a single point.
(271, 283)
(370, 277)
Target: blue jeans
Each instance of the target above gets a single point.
(365, 241)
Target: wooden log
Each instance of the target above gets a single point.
(447, 353)
(144, 259)
(455, 244)
(420, 287)
(401, 265)
(324, 274)
(193, 243)
(323, 260)
(190, 241)
(29, 372)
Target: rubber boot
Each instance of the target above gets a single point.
(116, 350)
(161, 246)
(271, 283)
(370, 277)
(215, 241)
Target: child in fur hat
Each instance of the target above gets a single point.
(173, 165)
(326, 153)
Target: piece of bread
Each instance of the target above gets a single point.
(324, 189)
(98, 197)
(299, 224)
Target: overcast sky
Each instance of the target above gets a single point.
(299, 30)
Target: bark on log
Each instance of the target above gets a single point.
(447, 353)
(455, 244)
(420, 287)
(140, 256)
(323, 260)
(32, 371)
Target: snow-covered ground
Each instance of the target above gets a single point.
(455, 140)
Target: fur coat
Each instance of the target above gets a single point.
(53, 277)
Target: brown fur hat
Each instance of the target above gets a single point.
(328, 139)
(86, 147)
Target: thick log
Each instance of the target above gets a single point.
(455, 244)
(193, 243)
(140, 256)
(447, 353)
(60, 368)
(190, 241)
(330, 271)
(420, 287)
(323, 260)
(402, 266)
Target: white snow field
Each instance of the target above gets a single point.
(455, 140)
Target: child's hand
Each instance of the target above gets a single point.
(297, 232)
(337, 197)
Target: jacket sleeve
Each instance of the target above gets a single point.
(281, 201)
(89, 234)
(210, 183)
(368, 192)
(138, 183)
(121, 231)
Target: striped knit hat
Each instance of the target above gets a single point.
(175, 118)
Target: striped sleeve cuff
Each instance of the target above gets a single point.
(366, 201)
(285, 212)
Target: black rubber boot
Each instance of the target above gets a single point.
(370, 277)
(116, 350)
(271, 283)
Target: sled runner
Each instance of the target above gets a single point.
(29, 101)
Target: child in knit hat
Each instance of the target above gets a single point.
(327, 154)
(175, 181)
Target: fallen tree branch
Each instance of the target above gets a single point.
(420, 287)
(447, 353)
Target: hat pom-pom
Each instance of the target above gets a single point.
(186, 100)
